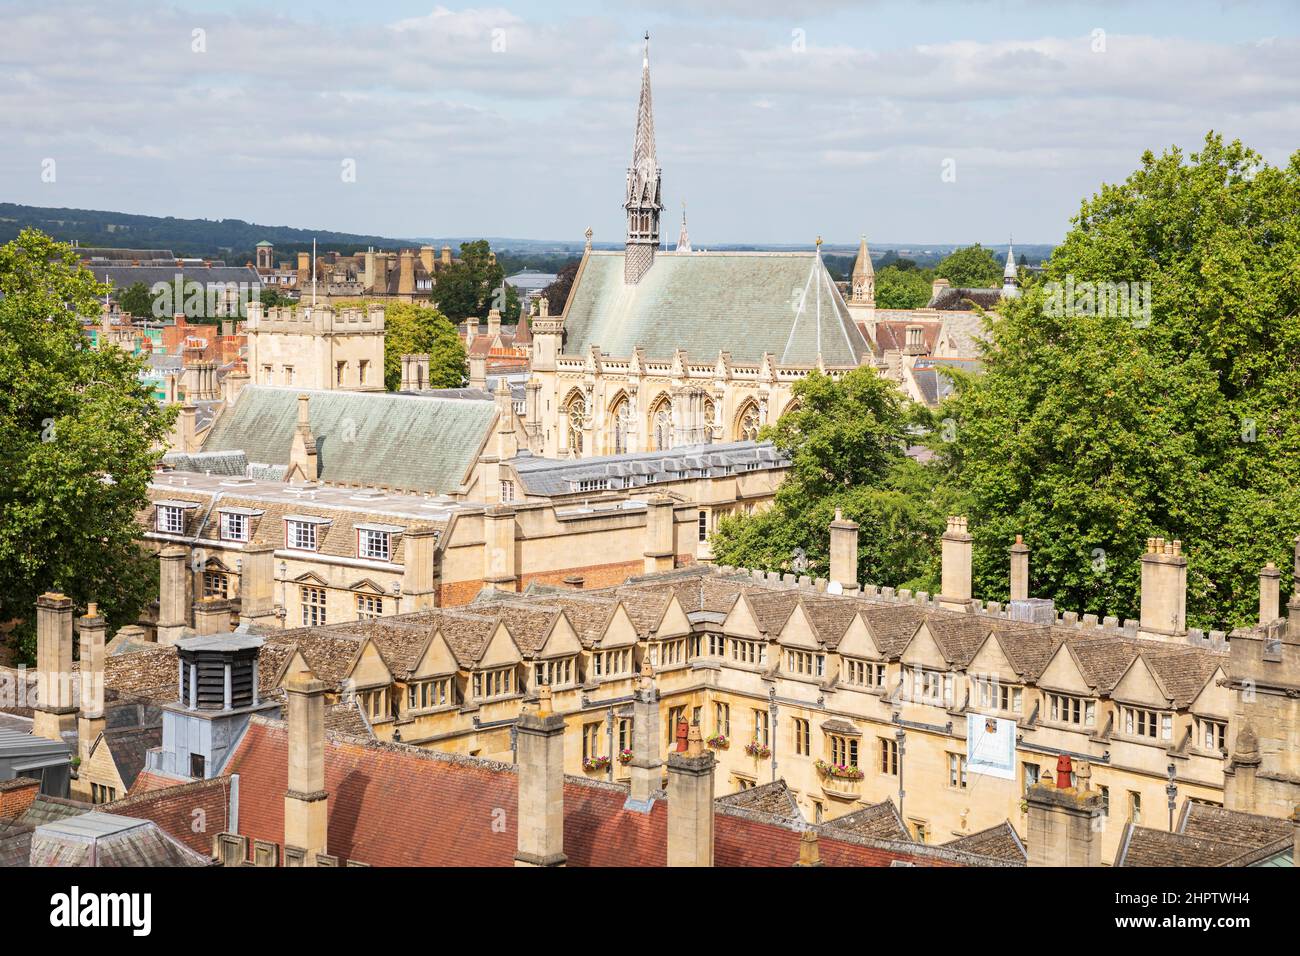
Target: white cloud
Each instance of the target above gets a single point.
(451, 137)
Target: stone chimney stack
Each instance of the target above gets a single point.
(494, 323)
(426, 258)
(406, 272)
(419, 574)
(303, 461)
(90, 723)
(956, 575)
(478, 372)
(499, 548)
(645, 765)
(257, 584)
(690, 803)
(446, 255)
(810, 851)
(540, 736)
(1020, 570)
(660, 527)
(1063, 824)
(844, 552)
(56, 713)
(1270, 594)
(1164, 589)
(306, 804)
(173, 594)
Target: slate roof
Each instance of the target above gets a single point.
(1000, 842)
(128, 746)
(107, 840)
(745, 303)
(775, 798)
(880, 820)
(1208, 836)
(355, 432)
(551, 476)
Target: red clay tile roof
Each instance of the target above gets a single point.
(193, 813)
(397, 806)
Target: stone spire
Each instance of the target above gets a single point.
(1010, 275)
(683, 237)
(643, 203)
(864, 277)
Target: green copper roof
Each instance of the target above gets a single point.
(745, 303)
(370, 438)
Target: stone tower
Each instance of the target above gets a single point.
(643, 203)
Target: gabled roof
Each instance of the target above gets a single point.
(745, 303)
(1208, 836)
(880, 821)
(1000, 842)
(775, 798)
(440, 438)
(128, 747)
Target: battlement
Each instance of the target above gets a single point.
(316, 320)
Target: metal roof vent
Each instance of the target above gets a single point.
(218, 671)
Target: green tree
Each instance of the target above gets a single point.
(137, 300)
(413, 328)
(971, 267)
(470, 286)
(846, 440)
(79, 435)
(1092, 430)
(901, 288)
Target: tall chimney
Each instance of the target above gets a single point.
(90, 722)
(645, 764)
(660, 525)
(844, 551)
(446, 255)
(494, 323)
(478, 372)
(173, 594)
(56, 713)
(1270, 594)
(499, 548)
(1164, 589)
(690, 803)
(540, 736)
(306, 804)
(1063, 824)
(426, 258)
(956, 588)
(257, 584)
(303, 460)
(406, 272)
(420, 573)
(1020, 570)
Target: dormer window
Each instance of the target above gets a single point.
(992, 694)
(171, 515)
(302, 532)
(494, 683)
(863, 673)
(236, 523)
(1139, 722)
(1065, 709)
(805, 663)
(171, 520)
(375, 541)
(932, 687)
(557, 673)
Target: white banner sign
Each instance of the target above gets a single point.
(991, 746)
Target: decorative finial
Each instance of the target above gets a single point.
(819, 242)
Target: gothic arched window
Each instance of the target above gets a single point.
(575, 412)
(747, 423)
(621, 415)
(661, 424)
(710, 419)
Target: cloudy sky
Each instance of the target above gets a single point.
(515, 118)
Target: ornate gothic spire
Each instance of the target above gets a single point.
(643, 203)
(863, 288)
(683, 237)
(1010, 275)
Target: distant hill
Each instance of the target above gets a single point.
(229, 239)
(234, 239)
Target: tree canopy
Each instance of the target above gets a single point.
(469, 287)
(902, 288)
(971, 267)
(414, 328)
(79, 435)
(1092, 430)
(846, 440)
